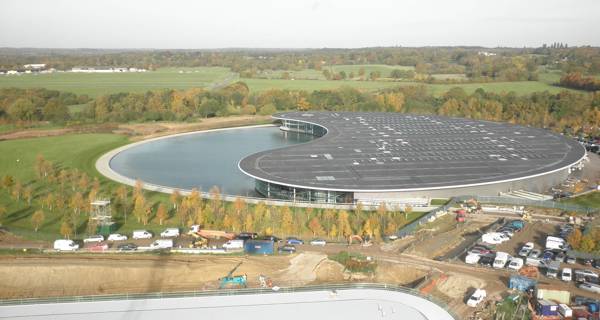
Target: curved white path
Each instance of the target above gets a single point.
(347, 304)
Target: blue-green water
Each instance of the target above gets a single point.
(202, 160)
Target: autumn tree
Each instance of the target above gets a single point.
(315, 227)
(161, 213)
(17, 190)
(174, 198)
(8, 181)
(587, 243)
(3, 212)
(286, 220)
(574, 238)
(65, 229)
(37, 219)
(121, 195)
(28, 194)
(344, 224)
(249, 222)
(139, 207)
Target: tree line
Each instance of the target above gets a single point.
(576, 80)
(565, 112)
(65, 195)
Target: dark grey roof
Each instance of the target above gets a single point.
(394, 151)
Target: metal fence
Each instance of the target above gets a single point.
(412, 227)
(226, 292)
(526, 202)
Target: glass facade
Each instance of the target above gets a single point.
(303, 127)
(277, 191)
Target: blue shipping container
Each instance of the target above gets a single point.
(259, 247)
(547, 308)
(521, 283)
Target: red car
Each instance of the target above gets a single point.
(98, 247)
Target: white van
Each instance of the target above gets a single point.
(555, 243)
(162, 244)
(501, 260)
(472, 258)
(566, 275)
(234, 244)
(65, 245)
(170, 233)
(141, 234)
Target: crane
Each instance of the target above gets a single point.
(233, 281)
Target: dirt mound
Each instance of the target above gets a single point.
(330, 271)
(398, 274)
(302, 269)
(457, 285)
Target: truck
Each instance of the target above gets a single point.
(472, 258)
(501, 260)
(195, 231)
(159, 244)
(141, 234)
(555, 243)
(461, 215)
(234, 244)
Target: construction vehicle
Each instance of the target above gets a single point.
(265, 282)
(231, 281)
(196, 231)
(364, 241)
(461, 215)
(199, 242)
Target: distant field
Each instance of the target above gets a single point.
(183, 78)
(97, 83)
(311, 74)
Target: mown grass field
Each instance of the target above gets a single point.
(94, 84)
(309, 80)
(17, 158)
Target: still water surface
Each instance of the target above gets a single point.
(202, 160)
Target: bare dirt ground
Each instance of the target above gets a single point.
(80, 274)
(142, 131)
(302, 269)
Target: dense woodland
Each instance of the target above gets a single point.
(566, 112)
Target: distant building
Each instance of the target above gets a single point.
(105, 69)
(486, 53)
(35, 66)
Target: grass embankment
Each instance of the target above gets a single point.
(17, 158)
(590, 200)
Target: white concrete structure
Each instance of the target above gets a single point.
(346, 304)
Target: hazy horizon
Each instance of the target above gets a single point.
(270, 24)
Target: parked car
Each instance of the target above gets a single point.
(288, 248)
(566, 274)
(117, 237)
(246, 235)
(141, 234)
(94, 238)
(548, 255)
(476, 298)
(501, 260)
(507, 231)
(161, 244)
(98, 247)
(535, 253)
(591, 287)
(392, 237)
(293, 240)
(65, 245)
(318, 242)
(596, 263)
(170, 233)
(560, 257)
(486, 261)
(272, 238)
(526, 249)
(234, 244)
(515, 263)
(127, 247)
(570, 260)
(479, 250)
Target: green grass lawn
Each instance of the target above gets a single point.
(94, 84)
(591, 200)
(183, 78)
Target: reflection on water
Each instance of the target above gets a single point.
(202, 160)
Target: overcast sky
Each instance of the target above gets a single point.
(200, 24)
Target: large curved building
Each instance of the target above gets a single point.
(374, 157)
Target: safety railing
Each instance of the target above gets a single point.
(226, 292)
